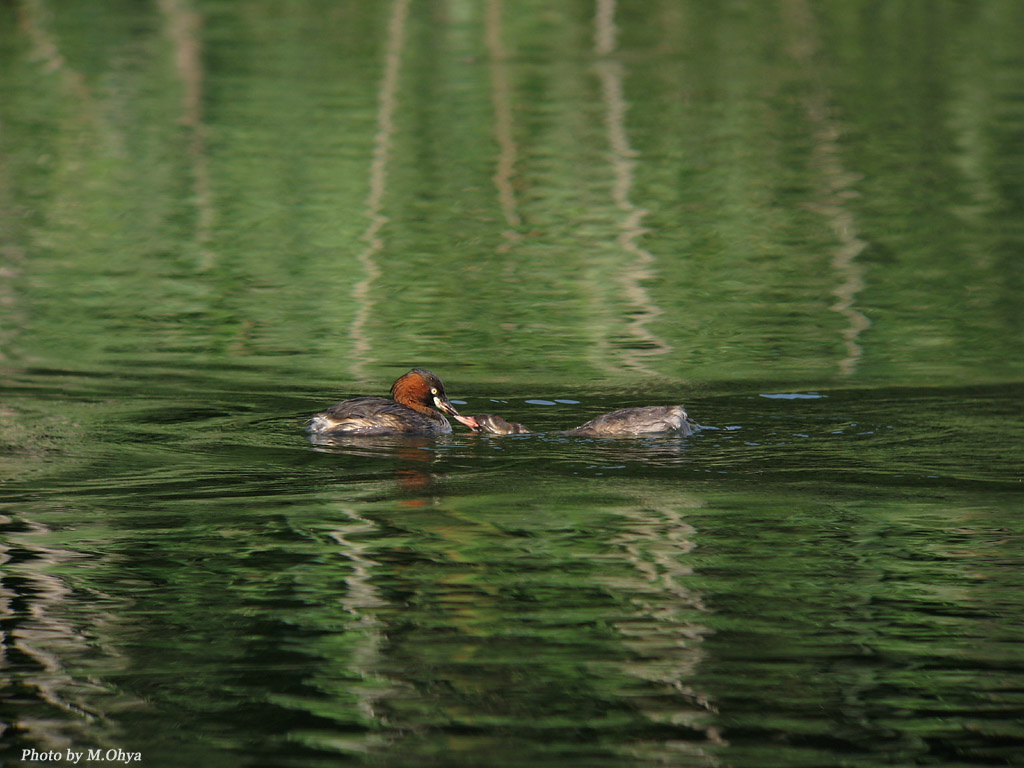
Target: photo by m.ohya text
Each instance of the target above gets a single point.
(80, 756)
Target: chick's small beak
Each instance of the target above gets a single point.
(443, 404)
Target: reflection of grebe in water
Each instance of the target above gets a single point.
(625, 422)
(410, 411)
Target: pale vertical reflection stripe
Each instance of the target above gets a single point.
(604, 27)
(836, 189)
(623, 163)
(363, 601)
(367, 258)
(42, 631)
(34, 22)
(34, 18)
(184, 27)
(844, 261)
(506, 164)
(665, 608)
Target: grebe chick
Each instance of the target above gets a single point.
(625, 422)
(410, 411)
(633, 422)
(495, 425)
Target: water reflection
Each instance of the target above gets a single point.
(468, 614)
(665, 635)
(45, 644)
(837, 187)
(185, 28)
(363, 600)
(501, 89)
(641, 342)
(410, 455)
(362, 291)
(459, 586)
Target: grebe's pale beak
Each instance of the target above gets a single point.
(443, 405)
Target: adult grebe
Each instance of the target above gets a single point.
(410, 411)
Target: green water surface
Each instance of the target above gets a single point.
(803, 220)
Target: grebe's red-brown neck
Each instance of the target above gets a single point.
(415, 391)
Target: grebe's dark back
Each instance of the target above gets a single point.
(410, 411)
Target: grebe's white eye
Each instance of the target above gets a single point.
(433, 390)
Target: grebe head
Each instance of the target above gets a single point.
(422, 390)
